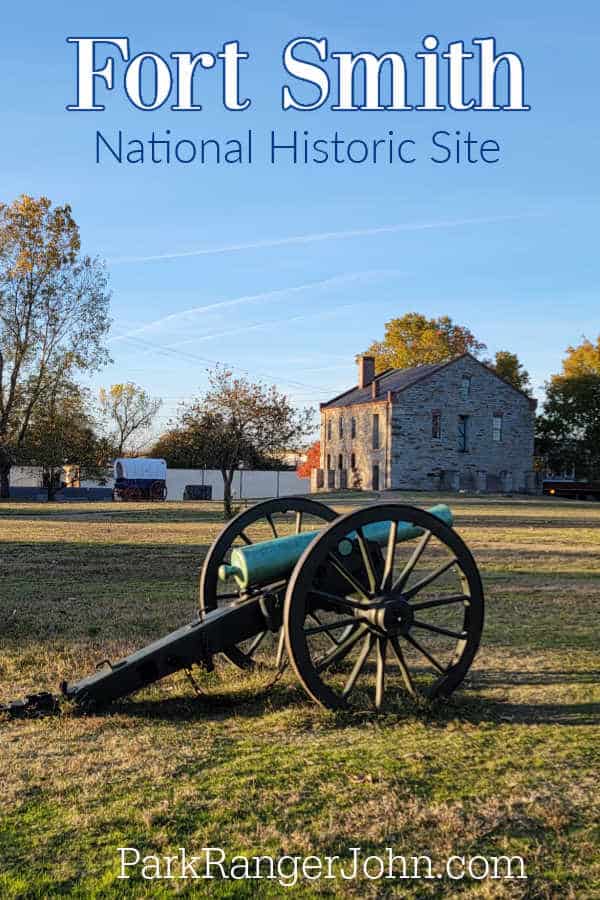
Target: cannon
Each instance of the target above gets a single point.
(383, 599)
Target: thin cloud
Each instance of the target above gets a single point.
(187, 314)
(255, 326)
(316, 238)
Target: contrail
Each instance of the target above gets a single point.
(267, 324)
(253, 298)
(315, 238)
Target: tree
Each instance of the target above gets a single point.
(312, 461)
(508, 366)
(61, 432)
(127, 409)
(53, 313)
(174, 447)
(189, 443)
(583, 359)
(568, 431)
(413, 339)
(238, 422)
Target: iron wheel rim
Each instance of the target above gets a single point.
(209, 577)
(305, 576)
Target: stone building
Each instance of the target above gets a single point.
(448, 426)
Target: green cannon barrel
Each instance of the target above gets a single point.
(269, 561)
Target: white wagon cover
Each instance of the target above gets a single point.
(141, 467)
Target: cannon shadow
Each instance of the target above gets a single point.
(465, 706)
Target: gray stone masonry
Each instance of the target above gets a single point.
(410, 456)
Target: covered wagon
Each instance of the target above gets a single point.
(140, 478)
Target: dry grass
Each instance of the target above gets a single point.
(506, 766)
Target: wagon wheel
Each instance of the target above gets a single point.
(411, 612)
(262, 522)
(158, 490)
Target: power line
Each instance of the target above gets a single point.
(172, 351)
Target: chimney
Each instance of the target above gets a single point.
(366, 370)
(374, 387)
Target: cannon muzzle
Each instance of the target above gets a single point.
(270, 561)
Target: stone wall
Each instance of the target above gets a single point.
(410, 457)
(418, 460)
(365, 456)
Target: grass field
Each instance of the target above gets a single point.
(508, 766)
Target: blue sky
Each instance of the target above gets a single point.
(286, 272)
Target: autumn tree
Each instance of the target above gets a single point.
(413, 339)
(584, 359)
(53, 314)
(239, 422)
(568, 430)
(508, 366)
(61, 432)
(127, 410)
(312, 461)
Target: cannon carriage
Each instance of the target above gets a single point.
(382, 600)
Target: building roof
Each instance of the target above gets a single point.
(397, 380)
(391, 380)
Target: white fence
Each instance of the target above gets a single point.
(247, 484)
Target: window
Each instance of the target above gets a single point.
(465, 387)
(328, 461)
(497, 427)
(353, 428)
(436, 424)
(375, 478)
(352, 460)
(329, 429)
(463, 435)
(375, 431)
(340, 461)
(341, 426)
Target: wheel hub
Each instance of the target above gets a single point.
(392, 615)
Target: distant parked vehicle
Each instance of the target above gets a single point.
(572, 490)
(140, 478)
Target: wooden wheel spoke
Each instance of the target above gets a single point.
(336, 601)
(406, 676)
(359, 664)
(414, 559)
(269, 519)
(380, 673)
(341, 651)
(327, 627)
(367, 558)
(279, 661)
(442, 601)
(428, 579)
(425, 653)
(298, 521)
(256, 643)
(437, 629)
(347, 576)
(245, 537)
(390, 556)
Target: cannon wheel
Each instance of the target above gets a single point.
(416, 607)
(235, 534)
